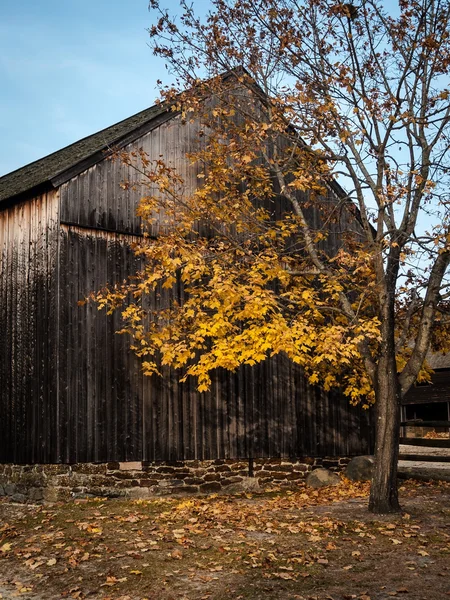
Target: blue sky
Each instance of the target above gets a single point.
(69, 68)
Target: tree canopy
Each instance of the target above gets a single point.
(269, 253)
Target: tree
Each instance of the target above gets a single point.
(316, 91)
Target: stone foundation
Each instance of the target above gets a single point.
(143, 479)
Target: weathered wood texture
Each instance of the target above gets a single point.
(72, 391)
(95, 198)
(110, 411)
(28, 325)
(437, 391)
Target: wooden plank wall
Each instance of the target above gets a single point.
(110, 411)
(71, 389)
(437, 391)
(28, 325)
(95, 198)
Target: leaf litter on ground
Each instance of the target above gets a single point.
(316, 543)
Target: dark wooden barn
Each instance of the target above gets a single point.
(430, 401)
(71, 391)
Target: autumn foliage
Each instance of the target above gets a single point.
(267, 253)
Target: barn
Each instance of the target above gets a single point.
(74, 402)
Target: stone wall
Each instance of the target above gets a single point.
(143, 479)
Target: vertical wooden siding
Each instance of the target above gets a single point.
(28, 325)
(95, 198)
(71, 389)
(110, 411)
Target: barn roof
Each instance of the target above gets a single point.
(54, 169)
(60, 166)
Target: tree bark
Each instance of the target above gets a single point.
(383, 491)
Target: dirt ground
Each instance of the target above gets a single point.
(303, 544)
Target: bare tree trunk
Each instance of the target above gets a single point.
(383, 492)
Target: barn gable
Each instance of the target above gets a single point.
(71, 390)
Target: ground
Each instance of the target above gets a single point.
(302, 544)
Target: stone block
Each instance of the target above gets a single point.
(50, 470)
(263, 474)
(222, 469)
(322, 478)
(20, 498)
(285, 468)
(167, 483)
(212, 477)
(360, 468)
(294, 476)
(113, 466)
(130, 466)
(307, 460)
(182, 474)
(212, 486)
(237, 466)
(247, 484)
(36, 494)
(10, 489)
(125, 483)
(184, 489)
(278, 474)
(50, 494)
(193, 480)
(330, 463)
(231, 481)
(124, 475)
(192, 464)
(148, 482)
(199, 472)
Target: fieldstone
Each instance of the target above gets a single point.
(36, 494)
(184, 489)
(130, 466)
(51, 494)
(322, 478)
(10, 489)
(145, 483)
(360, 468)
(166, 483)
(212, 477)
(248, 484)
(21, 498)
(193, 481)
(212, 486)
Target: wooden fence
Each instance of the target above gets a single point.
(431, 443)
